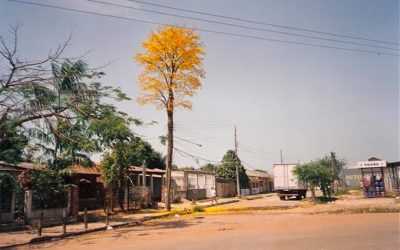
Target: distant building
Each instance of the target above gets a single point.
(260, 181)
(351, 177)
(192, 184)
(375, 176)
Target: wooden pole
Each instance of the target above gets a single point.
(237, 167)
(85, 219)
(40, 224)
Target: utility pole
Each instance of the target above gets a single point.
(237, 167)
(334, 169)
(281, 157)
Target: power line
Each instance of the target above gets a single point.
(262, 23)
(240, 26)
(194, 156)
(247, 165)
(205, 30)
(194, 143)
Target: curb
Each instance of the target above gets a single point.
(41, 239)
(221, 203)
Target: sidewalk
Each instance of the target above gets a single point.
(203, 203)
(15, 238)
(9, 239)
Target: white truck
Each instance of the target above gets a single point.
(285, 182)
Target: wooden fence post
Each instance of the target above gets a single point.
(40, 224)
(64, 221)
(85, 219)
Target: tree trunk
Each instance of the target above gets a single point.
(170, 146)
(313, 193)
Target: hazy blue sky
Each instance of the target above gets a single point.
(304, 100)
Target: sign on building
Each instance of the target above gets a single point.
(371, 164)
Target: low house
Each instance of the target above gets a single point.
(192, 184)
(86, 188)
(16, 169)
(260, 181)
(144, 186)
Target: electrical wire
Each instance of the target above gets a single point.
(262, 23)
(205, 30)
(241, 26)
(194, 156)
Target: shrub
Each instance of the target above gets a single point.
(48, 190)
(197, 209)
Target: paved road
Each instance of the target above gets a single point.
(249, 231)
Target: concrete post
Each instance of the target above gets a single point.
(64, 221)
(126, 195)
(69, 202)
(73, 200)
(138, 180)
(28, 206)
(144, 173)
(152, 183)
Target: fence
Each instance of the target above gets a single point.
(33, 211)
(138, 197)
(226, 188)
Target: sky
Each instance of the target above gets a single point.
(304, 100)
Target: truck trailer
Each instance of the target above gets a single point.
(286, 183)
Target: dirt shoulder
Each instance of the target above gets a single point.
(352, 203)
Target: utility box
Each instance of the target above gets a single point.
(286, 183)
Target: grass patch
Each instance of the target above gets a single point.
(342, 191)
(197, 209)
(187, 211)
(390, 194)
(245, 209)
(365, 210)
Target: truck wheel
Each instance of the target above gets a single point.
(298, 197)
(282, 198)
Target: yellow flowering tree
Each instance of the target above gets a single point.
(172, 69)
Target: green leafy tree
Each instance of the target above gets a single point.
(227, 169)
(326, 161)
(48, 189)
(56, 104)
(116, 163)
(316, 173)
(209, 167)
(115, 169)
(156, 160)
(12, 148)
(86, 127)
